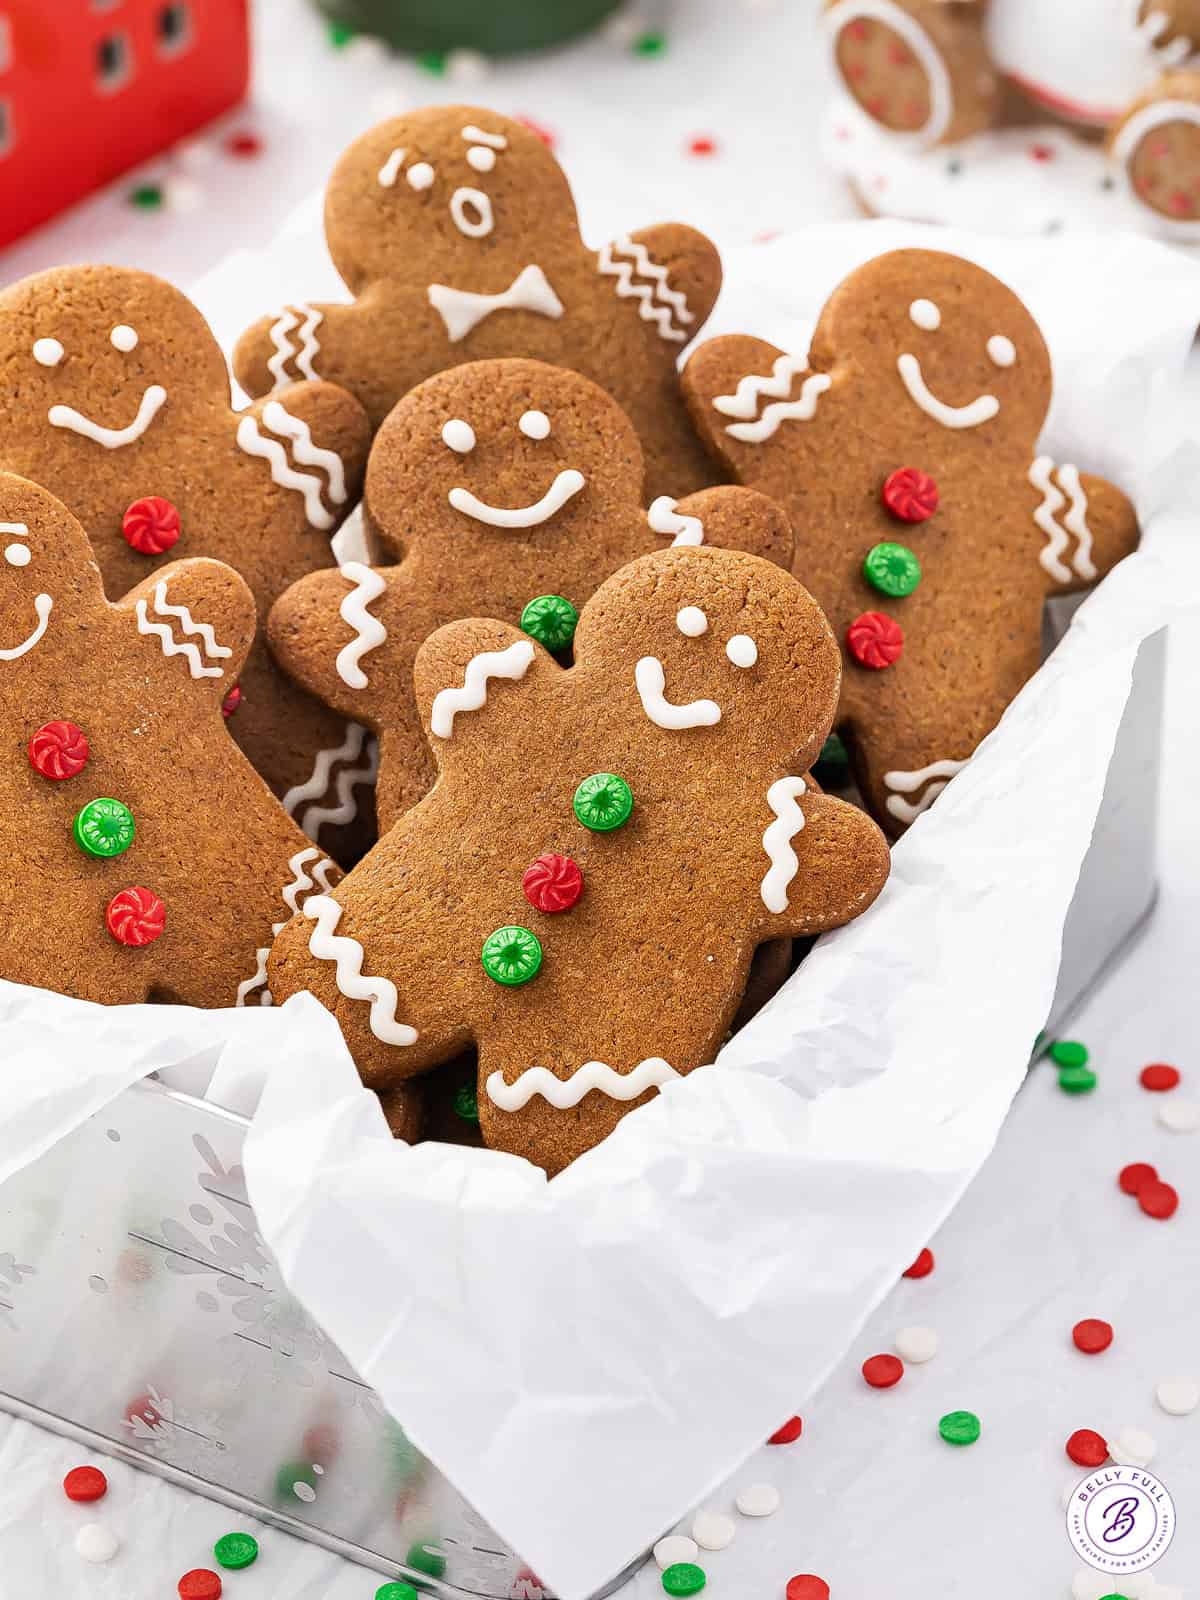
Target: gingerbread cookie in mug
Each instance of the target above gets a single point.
(929, 526)
(145, 858)
(931, 72)
(637, 815)
(502, 488)
(123, 411)
(456, 231)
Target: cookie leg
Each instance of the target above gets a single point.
(1156, 150)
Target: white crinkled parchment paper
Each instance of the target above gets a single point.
(587, 1358)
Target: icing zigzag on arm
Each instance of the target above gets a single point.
(513, 663)
(347, 954)
(659, 303)
(174, 647)
(369, 632)
(777, 841)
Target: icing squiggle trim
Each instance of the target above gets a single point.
(663, 518)
(638, 264)
(909, 782)
(368, 630)
(802, 409)
(744, 401)
(651, 680)
(462, 309)
(300, 881)
(317, 785)
(347, 954)
(280, 420)
(251, 440)
(1151, 28)
(982, 409)
(305, 353)
(175, 647)
(777, 841)
(1058, 535)
(566, 485)
(259, 980)
(1075, 521)
(512, 663)
(563, 1093)
(152, 402)
(42, 605)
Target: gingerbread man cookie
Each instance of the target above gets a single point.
(122, 409)
(455, 229)
(635, 815)
(146, 857)
(502, 488)
(930, 528)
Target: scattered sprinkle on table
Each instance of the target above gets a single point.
(96, 1542)
(1086, 1448)
(1092, 1335)
(685, 1577)
(1076, 1080)
(960, 1427)
(1158, 1077)
(713, 1530)
(757, 1500)
(340, 35)
(1135, 1176)
(1069, 1053)
(650, 44)
(1158, 1200)
(396, 1591)
(245, 145)
(789, 1433)
(1178, 1116)
(85, 1484)
(807, 1586)
(236, 1550)
(146, 197)
(1133, 1447)
(200, 1584)
(702, 144)
(1178, 1396)
(921, 1267)
(916, 1344)
(881, 1372)
(675, 1549)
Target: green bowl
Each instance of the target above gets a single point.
(495, 27)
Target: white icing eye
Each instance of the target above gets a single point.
(481, 158)
(472, 212)
(691, 622)
(1001, 351)
(124, 338)
(17, 555)
(535, 425)
(459, 435)
(742, 650)
(925, 314)
(419, 176)
(48, 352)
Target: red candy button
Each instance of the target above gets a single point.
(875, 640)
(1092, 1335)
(552, 882)
(231, 701)
(881, 1372)
(921, 1267)
(1158, 1077)
(789, 1433)
(909, 495)
(136, 917)
(59, 750)
(1134, 1178)
(1158, 1200)
(151, 525)
(807, 1586)
(200, 1584)
(85, 1484)
(1086, 1448)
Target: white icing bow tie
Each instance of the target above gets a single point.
(461, 310)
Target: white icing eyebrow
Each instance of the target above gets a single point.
(1002, 352)
(742, 650)
(482, 157)
(691, 622)
(48, 352)
(391, 167)
(535, 425)
(477, 136)
(419, 176)
(123, 338)
(459, 435)
(925, 315)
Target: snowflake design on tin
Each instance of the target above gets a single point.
(12, 1275)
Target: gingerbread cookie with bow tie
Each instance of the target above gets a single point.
(455, 229)
(637, 815)
(146, 859)
(930, 528)
(124, 413)
(501, 488)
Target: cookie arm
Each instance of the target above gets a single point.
(1083, 526)
(476, 681)
(312, 439)
(298, 342)
(741, 519)
(670, 274)
(821, 874)
(199, 611)
(746, 398)
(335, 633)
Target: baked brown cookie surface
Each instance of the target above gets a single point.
(121, 407)
(903, 446)
(582, 891)
(455, 229)
(146, 858)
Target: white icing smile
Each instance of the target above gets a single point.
(982, 409)
(567, 484)
(43, 605)
(651, 682)
(112, 438)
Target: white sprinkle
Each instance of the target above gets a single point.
(459, 435)
(691, 622)
(1180, 1116)
(96, 1542)
(1132, 1447)
(1178, 1396)
(123, 338)
(925, 315)
(712, 1530)
(757, 1500)
(675, 1547)
(916, 1344)
(183, 195)
(742, 650)
(534, 424)
(467, 66)
(48, 352)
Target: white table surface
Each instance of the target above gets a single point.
(872, 1500)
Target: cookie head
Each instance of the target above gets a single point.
(509, 450)
(457, 188)
(714, 646)
(967, 354)
(47, 574)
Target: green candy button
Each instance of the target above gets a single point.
(892, 569)
(603, 802)
(511, 956)
(960, 1427)
(1069, 1053)
(550, 620)
(104, 828)
(236, 1550)
(684, 1577)
(466, 1104)
(1076, 1080)
(396, 1591)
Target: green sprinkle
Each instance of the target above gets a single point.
(433, 61)
(104, 828)
(960, 1427)
(653, 44)
(892, 569)
(236, 1550)
(340, 35)
(512, 956)
(466, 1104)
(1069, 1053)
(1076, 1080)
(426, 1558)
(684, 1577)
(550, 620)
(147, 197)
(603, 802)
(396, 1591)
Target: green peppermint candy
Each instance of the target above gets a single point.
(1076, 1080)
(236, 1550)
(684, 1577)
(550, 620)
(511, 956)
(1069, 1053)
(603, 802)
(960, 1427)
(104, 828)
(892, 569)
(396, 1591)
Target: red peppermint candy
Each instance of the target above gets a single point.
(231, 701)
(136, 917)
(151, 526)
(58, 750)
(875, 640)
(552, 882)
(909, 495)
(1087, 1448)
(881, 1372)
(807, 1586)
(789, 1433)
(921, 1267)
(1092, 1335)
(200, 1584)
(1134, 1178)
(85, 1484)
(1159, 1077)
(1158, 1200)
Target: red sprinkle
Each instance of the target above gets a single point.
(151, 525)
(1158, 1077)
(921, 1267)
(875, 640)
(806, 1586)
(1042, 152)
(59, 750)
(1092, 1335)
(789, 1433)
(910, 495)
(1134, 1178)
(1158, 1200)
(244, 145)
(544, 134)
(552, 882)
(231, 701)
(1086, 1448)
(136, 917)
(85, 1484)
(702, 145)
(200, 1584)
(881, 1372)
